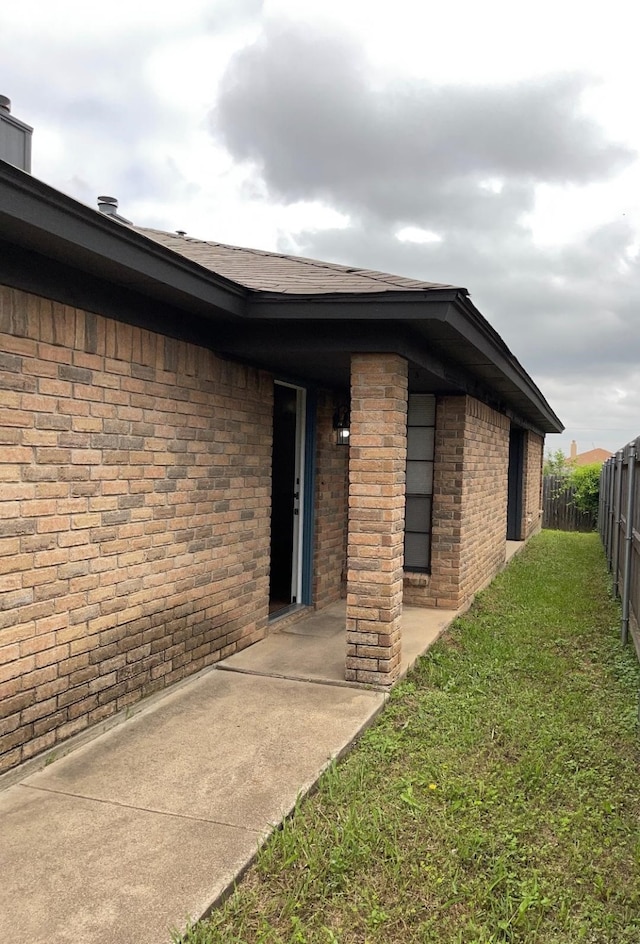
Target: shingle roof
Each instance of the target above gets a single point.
(591, 457)
(277, 272)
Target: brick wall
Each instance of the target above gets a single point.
(532, 484)
(469, 503)
(331, 499)
(484, 501)
(377, 464)
(134, 518)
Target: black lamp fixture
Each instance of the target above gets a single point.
(341, 423)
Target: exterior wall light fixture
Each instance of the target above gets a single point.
(341, 423)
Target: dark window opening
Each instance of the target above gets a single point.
(421, 419)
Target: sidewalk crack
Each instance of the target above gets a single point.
(146, 809)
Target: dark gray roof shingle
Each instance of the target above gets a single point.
(276, 272)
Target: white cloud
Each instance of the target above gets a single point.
(415, 234)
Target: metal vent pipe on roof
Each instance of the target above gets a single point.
(108, 205)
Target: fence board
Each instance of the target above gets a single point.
(619, 527)
(558, 511)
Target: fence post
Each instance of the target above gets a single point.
(611, 514)
(628, 542)
(604, 507)
(617, 508)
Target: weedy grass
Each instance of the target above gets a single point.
(496, 799)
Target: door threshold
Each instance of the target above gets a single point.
(288, 614)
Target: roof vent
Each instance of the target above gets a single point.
(109, 206)
(15, 138)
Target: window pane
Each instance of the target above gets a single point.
(419, 478)
(416, 551)
(418, 514)
(422, 409)
(420, 442)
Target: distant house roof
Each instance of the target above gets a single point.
(591, 457)
(278, 272)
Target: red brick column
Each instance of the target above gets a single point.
(377, 459)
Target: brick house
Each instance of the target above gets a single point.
(171, 480)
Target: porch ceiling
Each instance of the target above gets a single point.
(443, 359)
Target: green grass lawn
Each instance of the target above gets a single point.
(497, 798)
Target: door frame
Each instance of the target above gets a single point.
(515, 484)
(297, 590)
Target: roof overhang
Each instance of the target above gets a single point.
(41, 219)
(58, 247)
(449, 344)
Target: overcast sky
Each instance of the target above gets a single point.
(491, 145)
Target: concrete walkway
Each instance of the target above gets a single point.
(145, 826)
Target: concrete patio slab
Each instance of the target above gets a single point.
(147, 825)
(298, 652)
(314, 647)
(229, 750)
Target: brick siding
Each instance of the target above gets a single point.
(377, 464)
(135, 477)
(484, 519)
(532, 484)
(331, 499)
(134, 516)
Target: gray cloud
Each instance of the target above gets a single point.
(571, 317)
(308, 112)
(315, 122)
(112, 132)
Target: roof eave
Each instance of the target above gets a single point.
(43, 219)
(450, 306)
(486, 338)
(40, 219)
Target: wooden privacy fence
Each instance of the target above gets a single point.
(558, 510)
(619, 527)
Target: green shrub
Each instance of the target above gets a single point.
(585, 479)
